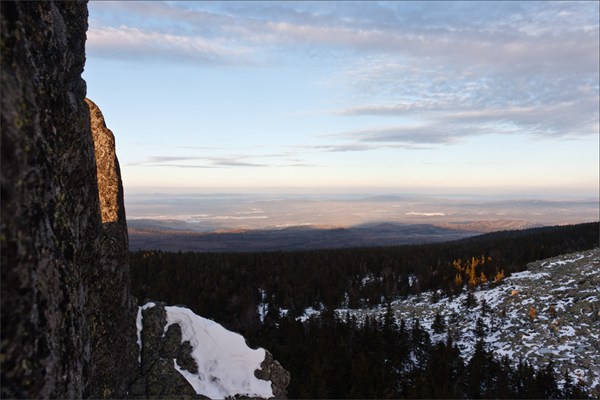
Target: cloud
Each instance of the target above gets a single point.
(528, 38)
(294, 156)
(164, 159)
(232, 161)
(471, 100)
(228, 162)
(409, 136)
(192, 166)
(340, 148)
(203, 162)
(457, 69)
(159, 16)
(444, 125)
(133, 43)
(354, 147)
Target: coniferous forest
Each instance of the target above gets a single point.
(334, 356)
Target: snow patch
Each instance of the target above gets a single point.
(262, 307)
(568, 338)
(308, 312)
(226, 364)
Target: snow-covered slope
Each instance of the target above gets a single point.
(225, 364)
(564, 327)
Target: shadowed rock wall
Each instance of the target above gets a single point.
(112, 310)
(68, 319)
(64, 279)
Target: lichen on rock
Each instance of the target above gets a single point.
(110, 188)
(271, 370)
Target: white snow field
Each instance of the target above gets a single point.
(226, 364)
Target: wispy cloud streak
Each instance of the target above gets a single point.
(132, 43)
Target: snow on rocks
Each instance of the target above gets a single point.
(185, 354)
(226, 364)
(140, 325)
(564, 293)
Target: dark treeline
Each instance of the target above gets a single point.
(326, 353)
(330, 357)
(225, 286)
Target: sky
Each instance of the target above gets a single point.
(393, 96)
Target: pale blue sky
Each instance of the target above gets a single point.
(401, 96)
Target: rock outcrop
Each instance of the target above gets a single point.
(50, 211)
(271, 370)
(110, 187)
(111, 308)
(162, 347)
(60, 264)
(158, 376)
(68, 319)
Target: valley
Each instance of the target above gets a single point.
(268, 222)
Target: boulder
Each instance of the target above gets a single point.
(271, 370)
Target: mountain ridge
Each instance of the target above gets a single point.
(149, 235)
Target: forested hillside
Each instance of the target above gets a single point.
(265, 296)
(229, 286)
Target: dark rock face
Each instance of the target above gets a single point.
(68, 319)
(65, 300)
(271, 370)
(50, 212)
(111, 308)
(158, 377)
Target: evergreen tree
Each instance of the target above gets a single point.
(547, 382)
(479, 328)
(439, 325)
(470, 301)
(420, 343)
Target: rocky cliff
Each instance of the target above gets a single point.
(111, 308)
(68, 319)
(64, 273)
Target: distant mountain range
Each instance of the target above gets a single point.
(173, 235)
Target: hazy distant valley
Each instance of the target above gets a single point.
(245, 222)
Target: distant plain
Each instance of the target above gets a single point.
(257, 222)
